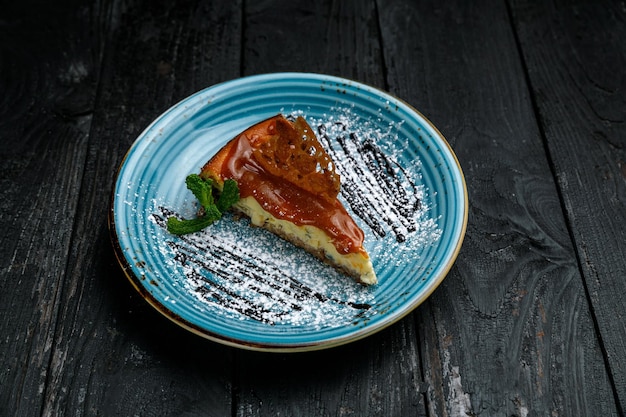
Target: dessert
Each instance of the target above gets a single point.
(288, 185)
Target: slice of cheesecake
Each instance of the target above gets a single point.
(288, 185)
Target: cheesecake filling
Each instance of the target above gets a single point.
(286, 201)
(357, 264)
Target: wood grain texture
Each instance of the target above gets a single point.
(510, 330)
(530, 95)
(576, 70)
(330, 37)
(113, 353)
(378, 377)
(49, 61)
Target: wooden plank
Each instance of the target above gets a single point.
(329, 37)
(510, 330)
(379, 376)
(576, 55)
(49, 60)
(113, 354)
(374, 377)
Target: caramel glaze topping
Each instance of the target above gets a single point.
(268, 163)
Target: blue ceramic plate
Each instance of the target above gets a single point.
(245, 287)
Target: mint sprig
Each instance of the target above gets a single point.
(211, 211)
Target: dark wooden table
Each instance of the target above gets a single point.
(530, 94)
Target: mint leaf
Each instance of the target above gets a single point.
(229, 195)
(182, 227)
(212, 213)
(203, 191)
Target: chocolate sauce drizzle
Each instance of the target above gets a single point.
(380, 193)
(230, 266)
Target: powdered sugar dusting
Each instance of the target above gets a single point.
(377, 188)
(244, 272)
